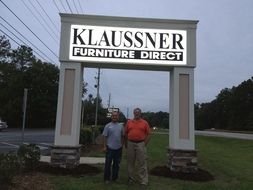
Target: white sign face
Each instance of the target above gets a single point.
(128, 45)
(110, 110)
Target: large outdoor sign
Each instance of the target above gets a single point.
(91, 41)
(128, 45)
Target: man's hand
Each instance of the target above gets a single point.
(104, 149)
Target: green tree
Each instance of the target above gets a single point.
(159, 119)
(23, 57)
(5, 48)
(41, 79)
(20, 69)
(231, 110)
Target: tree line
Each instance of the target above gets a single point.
(157, 119)
(20, 69)
(232, 109)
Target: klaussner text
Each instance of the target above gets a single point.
(130, 39)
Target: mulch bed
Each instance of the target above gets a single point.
(199, 176)
(30, 181)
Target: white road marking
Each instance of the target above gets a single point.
(41, 147)
(13, 145)
(47, 144)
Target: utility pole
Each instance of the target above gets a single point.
(24, 113)
(82, 106)
(98, 83)
(109, 100)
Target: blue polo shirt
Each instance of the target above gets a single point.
(114, 133)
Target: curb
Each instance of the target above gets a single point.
(83, 160)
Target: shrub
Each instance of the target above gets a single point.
(88, 133)
(9, 167)
(100, 129)
(29, 156)
(85, 136)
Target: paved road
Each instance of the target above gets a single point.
(225, 134)
(11, 139)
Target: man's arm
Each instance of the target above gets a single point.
(122, 140)
(148, 136)
(147, 139)
(125, 135)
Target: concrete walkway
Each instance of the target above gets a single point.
(83, 160)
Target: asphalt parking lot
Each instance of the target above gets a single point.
(11, 139)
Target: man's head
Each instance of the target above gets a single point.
(115, 116)
(137, 113)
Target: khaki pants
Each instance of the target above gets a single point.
(136, 154)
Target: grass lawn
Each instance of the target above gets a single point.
(230, 161)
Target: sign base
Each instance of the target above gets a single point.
(65, 156)
(182, 160)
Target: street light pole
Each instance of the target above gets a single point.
(98, 83)
(24, 113)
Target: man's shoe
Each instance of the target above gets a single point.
(130, 181)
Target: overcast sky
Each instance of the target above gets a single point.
(224, 44)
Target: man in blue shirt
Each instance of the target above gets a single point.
(113, 141)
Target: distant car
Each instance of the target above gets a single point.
(3, 125)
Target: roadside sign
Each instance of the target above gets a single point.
(110, 110)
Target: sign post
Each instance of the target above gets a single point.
(24, 113)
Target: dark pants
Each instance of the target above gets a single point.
(112, 161)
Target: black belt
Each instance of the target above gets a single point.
(137, 141)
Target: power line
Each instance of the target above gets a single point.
(19, 39)
(63, 6)
(75, 6)
(50, 33)
(28, 28)
(56, 6)
(25, 39)
(69, 7)
(80, 6)
(10, 38)
(42, 17)
(48, 16)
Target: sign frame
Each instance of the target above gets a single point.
(189, 26)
